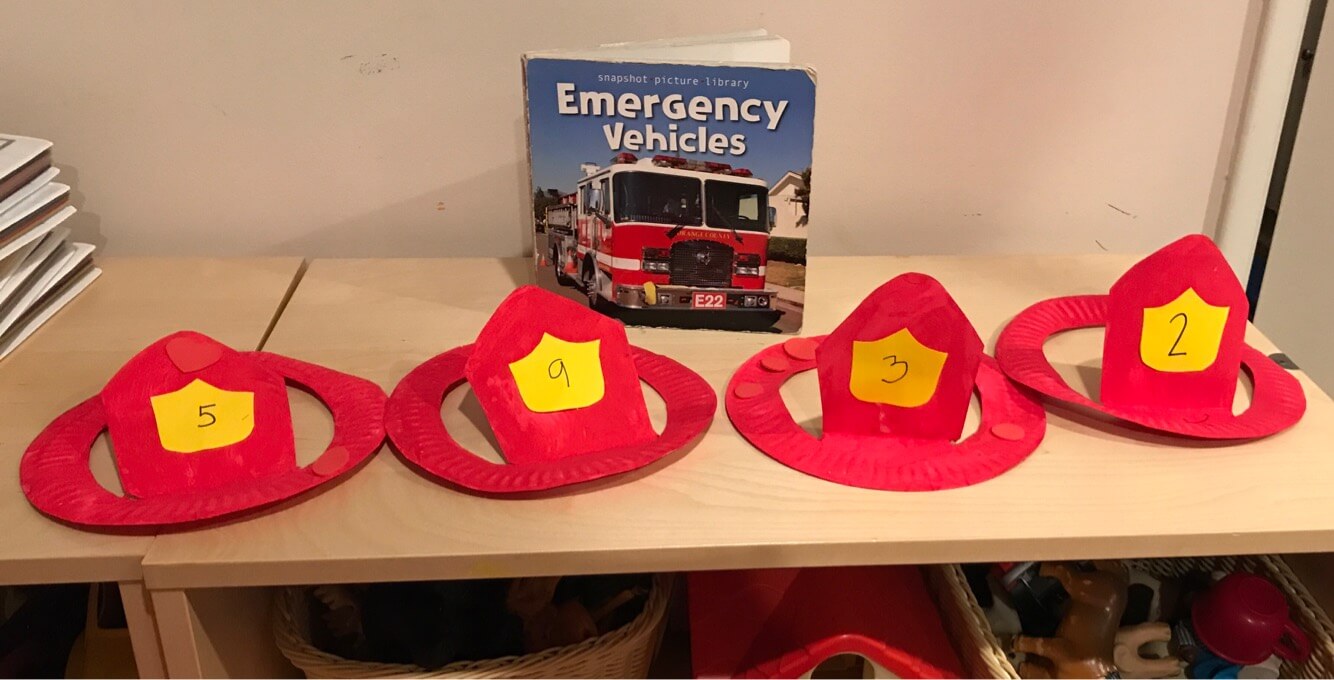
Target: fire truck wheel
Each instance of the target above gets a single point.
(557, 266)
(590, 285)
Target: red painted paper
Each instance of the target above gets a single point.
(1181, 378)
(55, 474)
(146, 467)
(921, 305)
(1193, 262)
(896, 378)
(619, 419)
(781, 623)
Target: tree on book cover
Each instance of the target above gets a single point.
(673, 194)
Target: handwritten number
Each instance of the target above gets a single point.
(205, 414)
(1184, 320)
(893, 360)
(559, 371)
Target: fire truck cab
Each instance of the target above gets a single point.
(670, 234)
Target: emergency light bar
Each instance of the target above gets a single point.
(687, 164)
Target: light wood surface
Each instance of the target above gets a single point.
(219, 633)
(142, 625)
(135, 302)
(1089, 491)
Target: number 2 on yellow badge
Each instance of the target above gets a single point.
(199, 417)
(1182, 336)
(559, 375)
(897, 370)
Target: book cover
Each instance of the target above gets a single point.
(22, 160)
(672, 194)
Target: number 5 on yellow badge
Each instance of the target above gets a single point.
(199, 417)
(559, 375)
(1183, 335)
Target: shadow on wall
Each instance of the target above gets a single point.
(431, 224)
(84, 226)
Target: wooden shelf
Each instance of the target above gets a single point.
(1091, 490)
(135, 302)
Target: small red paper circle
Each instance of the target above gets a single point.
(801, 349)
(748, 390)
(192, 353)
(331, 462)
(1007, 431)
(775, 363)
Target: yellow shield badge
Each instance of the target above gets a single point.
(896, 370)
(559, 375)
(199, 417)
(1183, 335)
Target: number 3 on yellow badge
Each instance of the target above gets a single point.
(1183, 335)
(199, 417)
(897, 370)
(559, 375)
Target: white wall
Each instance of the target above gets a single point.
(1294, 308)
(348, 127)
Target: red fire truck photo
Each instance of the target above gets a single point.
(667, 237)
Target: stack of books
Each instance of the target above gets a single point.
(40, 268)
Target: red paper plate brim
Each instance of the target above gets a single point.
(1277, 400)
(884, 462)
(412, 419)
(56, 477)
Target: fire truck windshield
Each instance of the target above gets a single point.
(656, 197)
(735, 206)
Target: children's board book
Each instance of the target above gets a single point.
(671, 179)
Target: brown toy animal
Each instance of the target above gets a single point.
(1086, 636)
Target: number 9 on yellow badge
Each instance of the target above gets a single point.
(559, 375)
(199, 417)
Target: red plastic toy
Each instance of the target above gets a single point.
(199, 432)
(1175, 341)
(560, 386)
(895, 381)
(782, 623)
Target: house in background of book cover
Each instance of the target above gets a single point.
(40, 269)
(671, 179)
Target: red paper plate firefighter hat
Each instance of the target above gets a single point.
(1174, 344)
(559, 385)
(783, 623)
(199, 431)
(895, 381)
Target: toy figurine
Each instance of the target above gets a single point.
(1127, 652)
(1085, 640)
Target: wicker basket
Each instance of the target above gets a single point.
(984, 657)
(623, 653)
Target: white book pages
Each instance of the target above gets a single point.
(45, 194)
(31, 265)
(27, 189)
(32, 236)
(11, 262)
(16, 151)
(69, 256)
(34, 321)
(752, 47)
